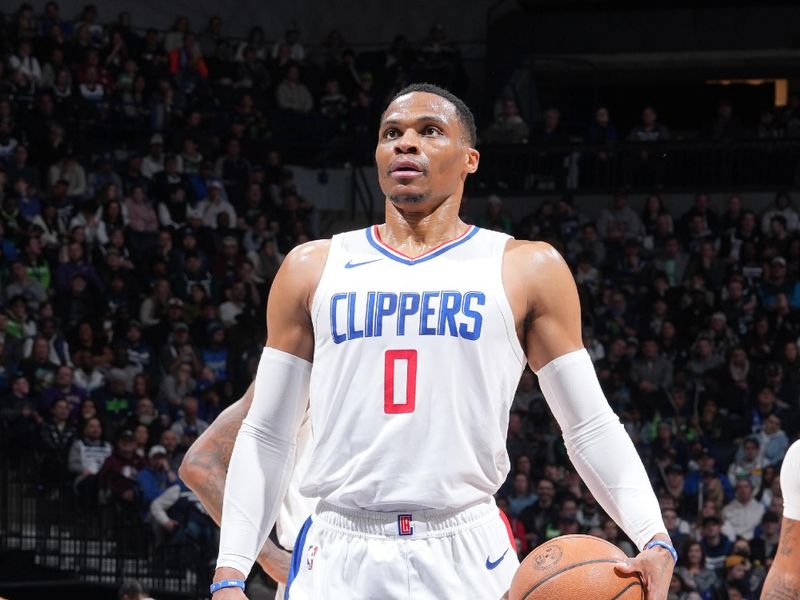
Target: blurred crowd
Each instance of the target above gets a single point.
(693, 323)
(145, 208)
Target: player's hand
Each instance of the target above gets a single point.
(655, 567)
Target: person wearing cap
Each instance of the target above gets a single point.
(153, 162)
(707, 470)
(213, 204)
(777, 283)
(715, 545)
(118, 475)
(178, 350)
(155, 477)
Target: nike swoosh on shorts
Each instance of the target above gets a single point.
(492, 564)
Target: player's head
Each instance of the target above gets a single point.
(425, 147)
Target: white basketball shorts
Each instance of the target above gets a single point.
(426, 555)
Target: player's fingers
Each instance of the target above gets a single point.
(628, 567)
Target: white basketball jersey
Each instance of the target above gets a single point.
(415, 366)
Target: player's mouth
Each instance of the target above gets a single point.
(406, 169)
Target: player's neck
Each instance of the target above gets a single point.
(416, 232)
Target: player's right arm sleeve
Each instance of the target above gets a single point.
(599, 446)
(790, 482)
(261, 463)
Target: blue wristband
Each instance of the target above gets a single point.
(226, 583)
(664, 545)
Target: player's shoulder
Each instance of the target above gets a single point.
(539, 257)
(308, 255)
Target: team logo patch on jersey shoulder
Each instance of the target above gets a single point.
(310, 554)
(404, 526)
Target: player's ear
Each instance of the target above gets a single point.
(472, 159)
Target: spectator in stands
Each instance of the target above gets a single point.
(214, 204)
(508, 127)
(778, 283)
(716, 546)
(748, 464)
(118, 474)
(153, 162)
(292, 94)
(113, 399)
(694, 570)
(63, 388)
(57, 435)
(620, 222)
(37, 368)
(772, 440)
(291, 42)
(86, 456)
(649, 129)
(189, 423)
(156, 477)
(725, 126)
(744, 512)
(538, 515)
(783, 207)
(25, 68)
(24, 286)
(70, 170)
(87, 377)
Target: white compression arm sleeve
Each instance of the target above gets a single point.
(599, 446)
(261, 463)
(790, 482)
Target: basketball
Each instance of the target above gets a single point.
(574, 567)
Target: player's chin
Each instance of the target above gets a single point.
(408, 197)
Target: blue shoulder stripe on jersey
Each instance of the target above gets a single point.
(414, 261)
(297, 555)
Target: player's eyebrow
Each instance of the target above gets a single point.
(436, 120)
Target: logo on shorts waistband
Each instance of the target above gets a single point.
(312, 552)
(404, 525)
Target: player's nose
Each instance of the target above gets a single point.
(408, 143)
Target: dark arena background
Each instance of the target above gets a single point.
(159, 159)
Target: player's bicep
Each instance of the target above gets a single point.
(554, 327)
(289, 326)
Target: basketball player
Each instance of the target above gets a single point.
(419, 330)
(783, 579)
(204, 468)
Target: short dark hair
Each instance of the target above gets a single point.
(464, 113)
(130, 589)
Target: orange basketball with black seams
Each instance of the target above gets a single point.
(574, 567)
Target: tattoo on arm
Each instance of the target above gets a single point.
(213, 458)
(781, 590)
(786, 535)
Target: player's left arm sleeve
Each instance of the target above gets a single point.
(262, 459)
(600, 449)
